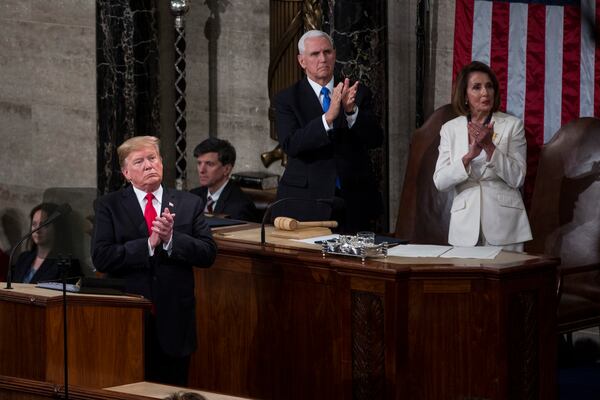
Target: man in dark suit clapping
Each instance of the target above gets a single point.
(326, 130)
(215, 161)
(152, 237)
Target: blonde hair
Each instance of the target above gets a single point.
(136, 143)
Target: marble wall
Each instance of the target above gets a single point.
(128, 78)
(47, 103)
(48, 90)
(359, 32)
(242, 63)
(439, 47)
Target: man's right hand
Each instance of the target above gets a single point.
(154, 240)
(335, 105)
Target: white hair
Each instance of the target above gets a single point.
(312, 34)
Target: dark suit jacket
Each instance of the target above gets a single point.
(316, 157)
(48, 271)
(120, 248)
(233, 202)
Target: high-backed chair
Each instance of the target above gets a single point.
(565, 219)
(424, 214)
(79, 220)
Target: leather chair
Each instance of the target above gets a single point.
(79, 220)
(565, 219)
(424, 214)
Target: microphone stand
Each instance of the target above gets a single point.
(65, 265)
(267, 213)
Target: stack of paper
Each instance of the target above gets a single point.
(482, 252)
(418, 250)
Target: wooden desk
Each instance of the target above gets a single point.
(285, 323)
(12, 388)
(105, 336)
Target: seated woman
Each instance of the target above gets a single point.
(482, 157)
(41, 262)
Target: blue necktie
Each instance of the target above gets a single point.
(326, 103)
(326, 99)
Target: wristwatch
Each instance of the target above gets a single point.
(351, 112)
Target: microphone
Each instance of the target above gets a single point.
(330, 202)
(61, 210)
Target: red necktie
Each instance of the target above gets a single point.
(209, 204)
(149, 212)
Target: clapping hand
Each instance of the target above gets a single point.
(336, 103)
(349, 95)
(162, 228)
(474, 147)
(343, 96)
(484, 137)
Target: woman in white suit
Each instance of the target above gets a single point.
(482, 158)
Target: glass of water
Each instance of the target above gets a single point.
(366, 238)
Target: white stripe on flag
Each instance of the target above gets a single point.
(517, 39)
(586, 86)
(553, 71)
(482, 31)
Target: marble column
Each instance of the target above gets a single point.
(359, 30)
(127, 80)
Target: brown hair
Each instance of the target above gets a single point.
(459, 94)
(48, 209)
(136, 143)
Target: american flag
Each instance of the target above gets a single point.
(545, 56)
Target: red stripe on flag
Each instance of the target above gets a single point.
(571, 63)
(597, 63)
(499, 46)
(534, 91)
(463, 35)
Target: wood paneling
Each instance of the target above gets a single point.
(105, 337)
(12, 388)
(281, 323)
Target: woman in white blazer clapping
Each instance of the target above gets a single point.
(482, 157)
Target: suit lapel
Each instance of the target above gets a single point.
(499, 129)
(223, 199)
(309, 102)
(204, 194)
(168, 200)
(133, 210)
(497, 134)
(462, 140)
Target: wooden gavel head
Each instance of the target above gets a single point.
(290, 224)
(286, 223)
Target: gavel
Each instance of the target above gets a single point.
(291, 224)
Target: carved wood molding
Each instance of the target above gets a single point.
(524, 355)
(368, 355)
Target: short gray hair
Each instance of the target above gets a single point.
(312, 34)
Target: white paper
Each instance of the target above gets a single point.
(418, 250)
(482, 252)
(317, 238)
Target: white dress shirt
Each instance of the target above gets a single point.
(157, 203)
